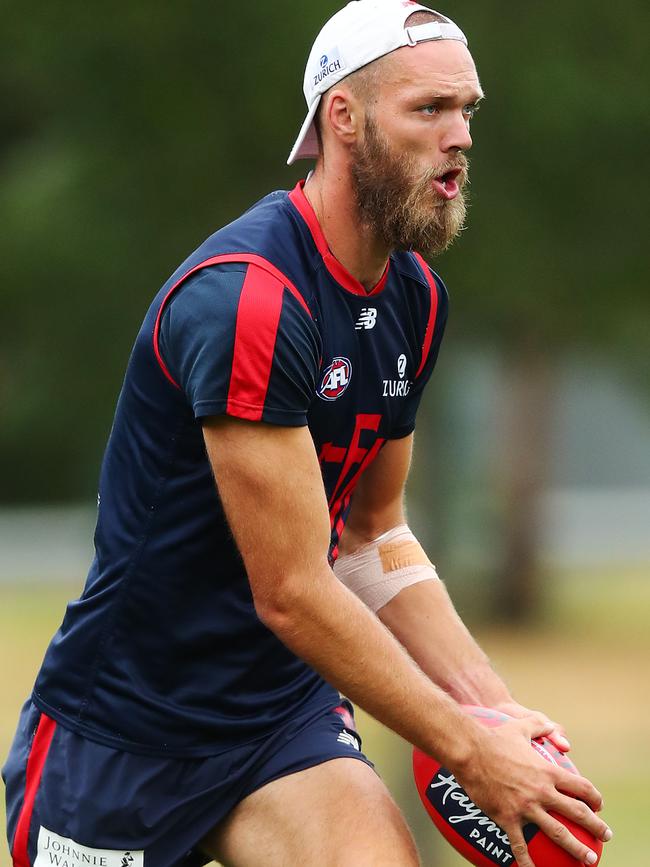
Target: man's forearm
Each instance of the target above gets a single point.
(424, 621)
(327, 626)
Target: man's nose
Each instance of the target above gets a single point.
(456, 136)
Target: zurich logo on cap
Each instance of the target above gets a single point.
(328, 64)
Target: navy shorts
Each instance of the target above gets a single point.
(72, 802)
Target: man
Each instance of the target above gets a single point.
(189, 705)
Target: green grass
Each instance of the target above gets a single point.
(587, 666)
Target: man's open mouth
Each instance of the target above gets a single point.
(446, 184)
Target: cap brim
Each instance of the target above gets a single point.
(306, 146)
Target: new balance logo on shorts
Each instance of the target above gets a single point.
(367, 319)
(349, 739)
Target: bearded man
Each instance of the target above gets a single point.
(190, 705)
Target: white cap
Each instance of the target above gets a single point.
(361, 32)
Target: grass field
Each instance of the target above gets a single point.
(588, 667)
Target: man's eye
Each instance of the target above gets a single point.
(470, 110)
(431, 109)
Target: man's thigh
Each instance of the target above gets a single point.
(83, 794)
(336, 813)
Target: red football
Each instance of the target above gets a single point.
(473, 834)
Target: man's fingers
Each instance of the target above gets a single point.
(536, 726)
(556, 733)
(549, 729)
(519, 847)
(558, 738)
(579, 787)
(561, 836)
(581, 814)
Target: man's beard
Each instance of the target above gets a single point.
(399, 203)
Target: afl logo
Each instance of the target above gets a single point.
(335, 379)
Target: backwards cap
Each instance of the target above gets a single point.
(361, 32)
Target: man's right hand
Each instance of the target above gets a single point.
(514, 785)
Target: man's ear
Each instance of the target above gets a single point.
(343, 116)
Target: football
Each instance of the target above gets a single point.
(473, 834)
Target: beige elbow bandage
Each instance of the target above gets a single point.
(377, 572)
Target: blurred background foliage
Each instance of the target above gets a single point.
(129, 132)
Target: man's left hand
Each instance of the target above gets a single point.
(557, 737)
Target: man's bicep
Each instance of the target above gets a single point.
(378, 502)
(272, 492)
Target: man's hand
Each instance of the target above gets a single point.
(513, 785)
(557, 735)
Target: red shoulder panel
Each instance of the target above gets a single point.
(258, 317)
(246, 258)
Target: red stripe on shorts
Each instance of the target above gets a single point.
(35, 764)
(258, 317)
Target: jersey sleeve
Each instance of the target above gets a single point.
(431, 347)
(238, 342)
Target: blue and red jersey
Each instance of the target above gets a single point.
(163, 653)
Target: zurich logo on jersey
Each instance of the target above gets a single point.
(336, 379)
(398, 387)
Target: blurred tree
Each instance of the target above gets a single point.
(132, 135)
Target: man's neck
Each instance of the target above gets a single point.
(351, 241)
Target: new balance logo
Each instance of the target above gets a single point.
(349, 739)
(367, 319)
